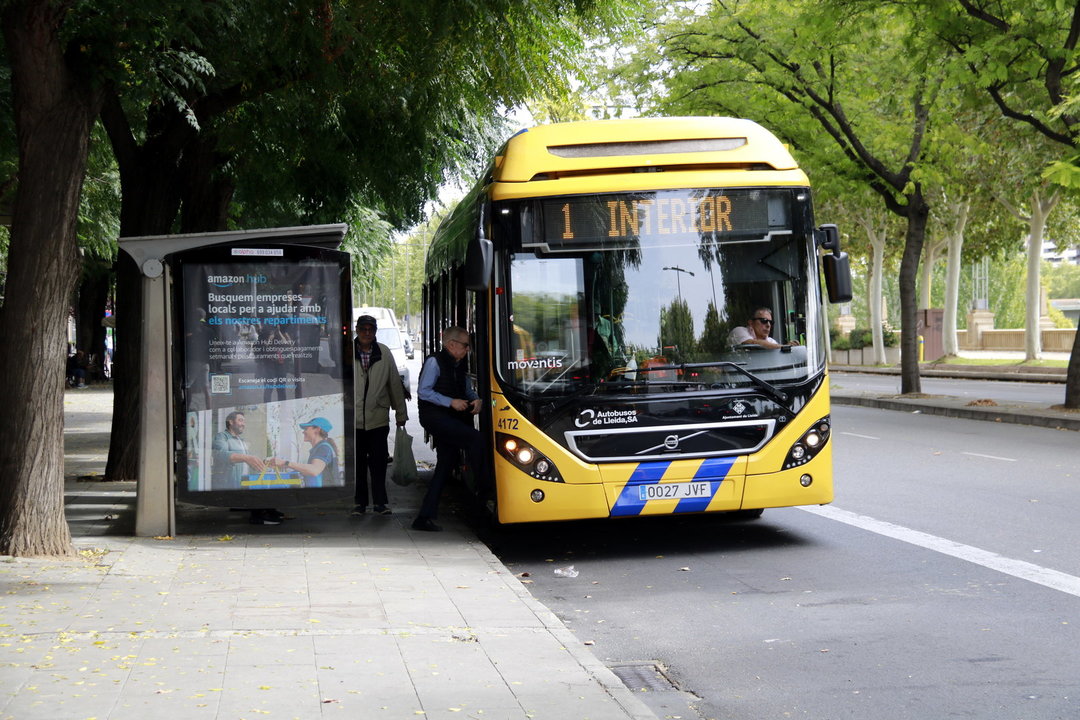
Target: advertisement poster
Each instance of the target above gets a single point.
(264, 371)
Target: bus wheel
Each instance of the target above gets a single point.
(746, 514)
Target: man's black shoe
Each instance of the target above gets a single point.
(425, 524)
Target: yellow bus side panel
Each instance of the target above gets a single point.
(769, 485)
(782, 489)
(561, 501)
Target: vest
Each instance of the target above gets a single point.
(452, 381)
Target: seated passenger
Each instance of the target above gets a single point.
(77, 369)
(756, 331)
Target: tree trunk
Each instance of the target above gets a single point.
(123, 460)
(1040, 210)
(150, 202)
(917, 213)
(931, 252)
(1033, 296)
(950, 344)
(54, 108)
(874, 294)
(1072, 376)
(207, 190)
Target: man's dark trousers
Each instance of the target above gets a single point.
(371, 455)
(452, 432)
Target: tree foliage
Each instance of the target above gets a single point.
(906, 99)
(234, 114)
(1024, 57)
(858, 92)
(1063, 280)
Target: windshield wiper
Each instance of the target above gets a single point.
(776, 394)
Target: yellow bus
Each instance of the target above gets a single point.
(604, 269)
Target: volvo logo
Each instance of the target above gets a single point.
(671, 442)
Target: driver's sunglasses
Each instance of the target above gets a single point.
(764, 321)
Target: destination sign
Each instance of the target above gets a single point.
(723, 215)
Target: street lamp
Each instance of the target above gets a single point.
(678, 283)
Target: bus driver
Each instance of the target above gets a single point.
(756, 331)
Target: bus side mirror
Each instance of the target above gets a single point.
(836, 265)
(828, 237)
(478, 265)
(837, 268)
(479, 254)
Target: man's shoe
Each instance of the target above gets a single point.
(425, 524)
(382, 510)
(358, 510)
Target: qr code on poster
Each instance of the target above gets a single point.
(219, 385)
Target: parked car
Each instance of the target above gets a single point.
(390, 336)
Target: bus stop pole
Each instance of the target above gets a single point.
(155, 504)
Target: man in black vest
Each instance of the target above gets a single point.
(447, 402)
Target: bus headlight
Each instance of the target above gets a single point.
(806, 447)
(527, 458)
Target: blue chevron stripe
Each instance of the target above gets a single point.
(629, 502)
(714, 470)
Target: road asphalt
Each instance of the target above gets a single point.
(324, 615)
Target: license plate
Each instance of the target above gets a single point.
(674, 491)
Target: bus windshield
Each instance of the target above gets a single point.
(657, 292)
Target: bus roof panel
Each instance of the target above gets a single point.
(598, 145)
(632, 182)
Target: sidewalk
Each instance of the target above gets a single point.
(1020, 413)
(325, 615)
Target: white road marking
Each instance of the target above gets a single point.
(1017, 568)
(991, 457)
(867, 437)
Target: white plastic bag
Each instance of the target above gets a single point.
(404, 470)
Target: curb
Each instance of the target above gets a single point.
(626, 699)
(1039, 417)
(1011, 373)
